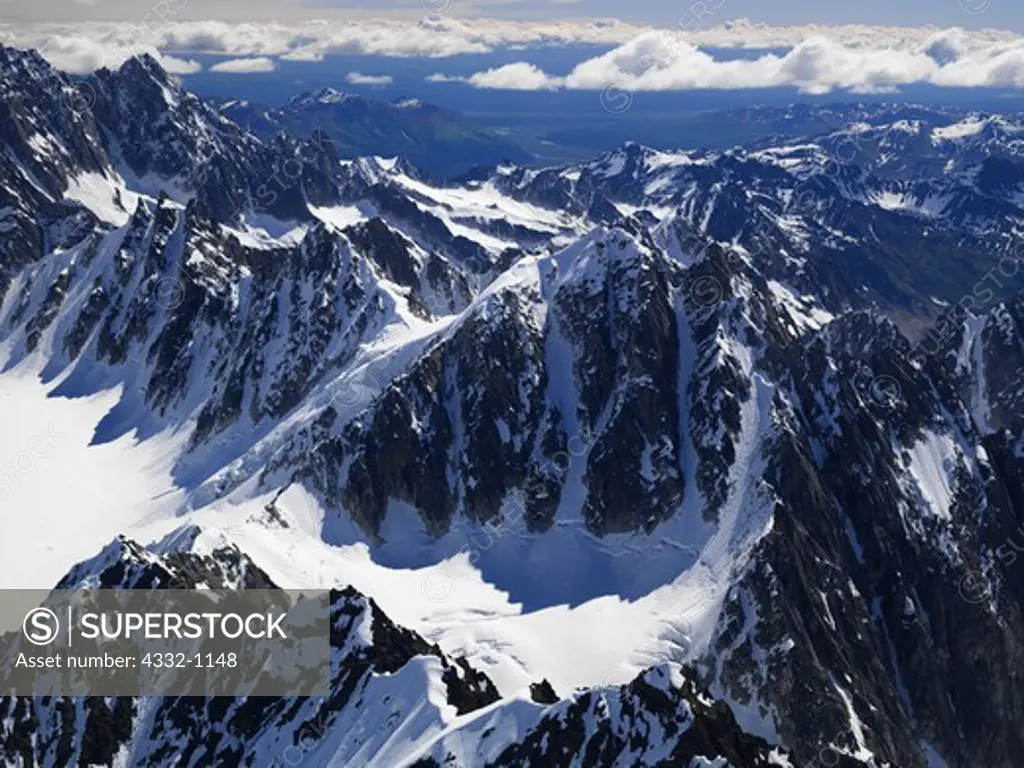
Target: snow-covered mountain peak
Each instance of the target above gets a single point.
(325, 96)
(738, 397)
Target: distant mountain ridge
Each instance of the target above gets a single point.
(437, 141)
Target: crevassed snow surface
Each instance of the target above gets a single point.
(603, 641)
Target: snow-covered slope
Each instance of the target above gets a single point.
(396, 700)
(648, 428)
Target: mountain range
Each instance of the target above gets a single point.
(742, 426)
(437, 141)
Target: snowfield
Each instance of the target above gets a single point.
(79, 496)
(63, 498)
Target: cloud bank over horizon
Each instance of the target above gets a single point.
(659, 61)
(811, 58)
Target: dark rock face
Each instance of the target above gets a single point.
(442, 421)
(870, 570)
(437, 286)
(607, 727)
(543, 693)
(776, 349)
(37, 102)
(620, 315)
(458, 431)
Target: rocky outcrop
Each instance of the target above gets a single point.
(373, 660)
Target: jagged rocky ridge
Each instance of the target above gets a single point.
(392, 694)
(735, 336)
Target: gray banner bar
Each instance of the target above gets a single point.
(164, 642)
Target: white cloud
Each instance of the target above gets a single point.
(516, 77)
(1000, 66)
(358, 78)
(82, 55)
(245, 66)
(659, 61)
(816, 58)
(439, 77)
(79, 55)
(743, 33)
(178, 66)
(439, 37)
(429, 37)
(656, 62)
(443, 35)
